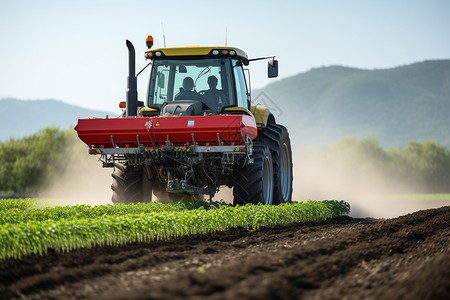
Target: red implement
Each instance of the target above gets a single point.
(156, 131)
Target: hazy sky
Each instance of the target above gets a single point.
(75, 50)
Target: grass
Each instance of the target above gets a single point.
(25, 229)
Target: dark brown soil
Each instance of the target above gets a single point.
(344, 258)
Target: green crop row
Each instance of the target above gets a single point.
(24, 210)
(36, 237)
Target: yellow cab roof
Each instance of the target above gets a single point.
(197, 51)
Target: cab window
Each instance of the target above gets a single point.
(241, 86)
(178, 79)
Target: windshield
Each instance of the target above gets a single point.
(206, 80)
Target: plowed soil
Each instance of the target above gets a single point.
(344, 258)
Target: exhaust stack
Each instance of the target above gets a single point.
(132, 99)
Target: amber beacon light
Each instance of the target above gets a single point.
(149, 41)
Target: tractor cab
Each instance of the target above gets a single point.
(192, 81)
(196, 80)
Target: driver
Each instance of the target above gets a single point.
(214, 98)
(186, 92)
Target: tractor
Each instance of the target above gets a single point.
(196, 131)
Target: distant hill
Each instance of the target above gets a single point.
(25, 117)
(393, 105)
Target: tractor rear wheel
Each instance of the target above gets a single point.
(277, 138)
(254, 182)
(130, 185)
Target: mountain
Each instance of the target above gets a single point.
(394, 105)
(25, 117)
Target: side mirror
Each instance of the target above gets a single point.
(272, 68)
(161, 80)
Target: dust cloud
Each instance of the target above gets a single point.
(319, 176)
(81, 181)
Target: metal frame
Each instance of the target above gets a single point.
(192, 149)
(150, 154)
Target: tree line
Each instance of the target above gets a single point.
(414, 168)
(29, 162)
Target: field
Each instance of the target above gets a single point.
(307, 250)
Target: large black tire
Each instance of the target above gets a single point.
(130, 185)
(254, 183)
(277, 138)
